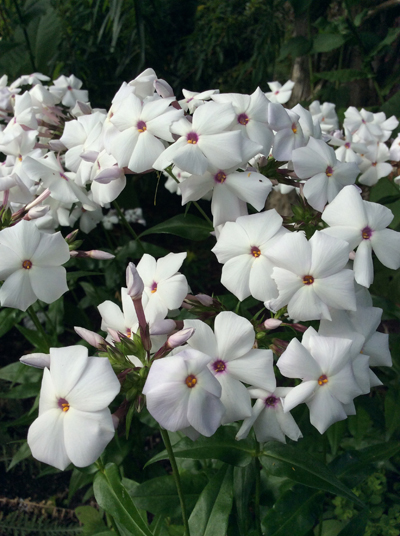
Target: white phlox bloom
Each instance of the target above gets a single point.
(143, 84)
(325, 115)
(67, 89)
(348, 151)
(268, 419)
(107, 179)
(164, 286)
(193, 99)
(231, 190)
(310, 276)
(251, 117)
(242, 248)
(363, 224)
(279, 93)
(30, 264)
(395, 149)
(324, 366)
(289, 133)
(74, 423)
(361, 125)
(124, 321)
(326, 175)
(387, 125)
(181, 393)
(142, 126)
(205, 141)
(29, 79)
(233, 361)
(307, 123)
(374, 164)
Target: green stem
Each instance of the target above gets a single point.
(126, 224)
(258, 493)
(175, 474)
(39, 327)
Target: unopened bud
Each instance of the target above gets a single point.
(71, 236)
(272, 323)
(114, 334)
(298, 327)
(134, 282)
(44, 195)
(163, 88)
(163, 327)
(37, 212)
(352, 255)
(204, 299)
(94, 339)
(180, 337)
(37, 360)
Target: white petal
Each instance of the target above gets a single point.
(337, 290)
(297, 362)
(299, 394)
(235, 335)
(235, 398)
(325, 410)
(204, 412)
(17, 291)
(235, 275)
(48, 282)
(46, 439)
(363, 266)
(203, 338)
(386, 245)
(255, 368)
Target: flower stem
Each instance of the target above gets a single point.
(258, 492)
(126, 224)
(175, 474)
(39, 327)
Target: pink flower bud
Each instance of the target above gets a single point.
(94, 339)
(352, 255)
(36, 360)
(180, 337)
(114, 334)
(37, 212)
(272, 323)
(204, 299)
(100, 255)
(134, 283)
(44, 195)
(163, 327)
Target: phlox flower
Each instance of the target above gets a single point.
(67, 89)
(310, 276)
(74, 423)
(194, 99)
(324, 366)
(279, 93)
(233, 361)
(362, 125)
(348, 151)
(325, 115)
(374, 164)
(289, 133)
(30, 264)
(242, 248)
(268, 419)
(363, 224)
(182, 393)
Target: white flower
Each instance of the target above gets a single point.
(74, 423)
(181, 393)
(325, 115)
(67, 89)
(233, 361)
(269, 420)
(324, 365)
(30, 264)
(279, 93)
(374, 164)
(310, 276)
(363, 224)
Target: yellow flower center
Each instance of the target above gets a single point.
(27, 265)
(322, 380)
(308, 280)
(191, 381)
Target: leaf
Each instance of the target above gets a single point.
(295, 512)
(26, 390)
(8, 318)
(391, 36)
(286, 461)
(342, 75)
(325, 42)
(189, 226)
(211, 513)
(221, 446)
(19, 373)
(22, 453)
(78, 480)
(296, 46)
(35, 338)
(114, 498)
(357, 525)
(243, 484)
(159, 495)
(48, 36)
(72, 276)
(91, 519)
(364, 457)
(300, 6)
(392, 106)
(392, 404)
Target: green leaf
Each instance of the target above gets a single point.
(26, 390)
(91, 519)
(221, 446)
(357, 525)
(78, 480)
(392, 106)
(72, 276)
(392, 405)
(188, 226)
(364, 457)
(8, 318)
(391, 36)
(114, 498)
(35, 338)
(300, 6)
(295, 512)
(211, 513)
(342, 75)
(22, 453)
(326, 42)
(19, 373)
(159, 495)
(286, 461)
(243, 484)
(296, 46)
(48, 36)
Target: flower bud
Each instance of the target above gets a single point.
(204, 299)
(134, 283)
(37, 360)
(180, 337)
(163, 327)
(37, 212)
(44, 195)
(94, 339)
(272, 323)
(163, 88)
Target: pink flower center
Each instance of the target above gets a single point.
(347, 145)
(63, 404)
(220, 177)
(294, 128)
(219, 366)
(192, 138)
(64, 177)
(308, 280)
(255, 251)
(154, 287)
(329, 171)
(322, 380)
(243, 119)
(366, 233)
(276, 92)
(271, 401)
(191, 381)
(128, 332)
(374, 164)
(141, 126)
(27, 265)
